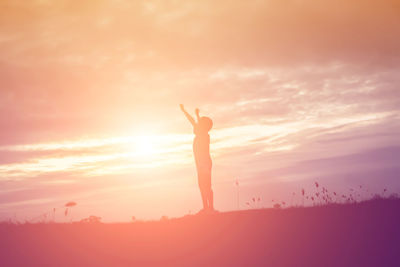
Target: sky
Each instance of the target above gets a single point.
(299, 91)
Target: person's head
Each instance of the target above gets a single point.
(205, 124)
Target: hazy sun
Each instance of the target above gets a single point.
(145, 145)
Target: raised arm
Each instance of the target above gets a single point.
(190, 118)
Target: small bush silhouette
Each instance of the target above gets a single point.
(91, 219)
(323, 196)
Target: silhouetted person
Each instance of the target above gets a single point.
(201, 150)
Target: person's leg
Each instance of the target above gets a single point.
(210, 199)
(210, 195)
(203, 193)
(203, 190)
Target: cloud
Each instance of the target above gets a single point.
(171, 34)
(283, 80)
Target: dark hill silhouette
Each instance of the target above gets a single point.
(362, 234)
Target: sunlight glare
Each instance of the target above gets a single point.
(145, 145)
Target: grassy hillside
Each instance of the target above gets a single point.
(362, 234)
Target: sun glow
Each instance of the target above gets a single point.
(145, 145)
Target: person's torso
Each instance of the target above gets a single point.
(201, 148)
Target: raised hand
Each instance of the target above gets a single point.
(190, 118)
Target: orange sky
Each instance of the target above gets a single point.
(90, 93)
